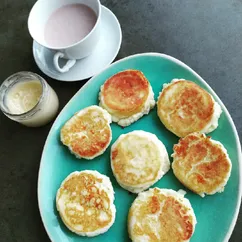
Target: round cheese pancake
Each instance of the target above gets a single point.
(161, 215)
(138, 160)
(201, 164)
(184, 107)
(88, 134)
(85, 203)
(127, 96)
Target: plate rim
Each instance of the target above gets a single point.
(58, 78)
(175, 60)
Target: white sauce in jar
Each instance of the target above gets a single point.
(29, 95)
(23, 96)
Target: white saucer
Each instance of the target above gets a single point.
(104, 53)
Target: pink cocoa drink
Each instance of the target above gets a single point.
(69, 24)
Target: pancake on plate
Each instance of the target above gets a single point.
(184, 107)
(161, 215)
(201, 164)
(127, 96)
(88, 134)
(85, 203)
(138, 160)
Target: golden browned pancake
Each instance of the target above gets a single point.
(138, 160)
(201, 164)
(88, 134)
(161, 215)
(127, 96)
(85, 203)
(184, 107)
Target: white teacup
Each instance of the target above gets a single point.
(38, 18)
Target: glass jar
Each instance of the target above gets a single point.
(44, 110)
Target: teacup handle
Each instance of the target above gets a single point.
(69, 64)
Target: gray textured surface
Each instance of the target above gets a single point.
(206, 35)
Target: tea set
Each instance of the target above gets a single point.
(73, 39)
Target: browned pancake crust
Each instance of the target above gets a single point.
(92, 142)
(175, 224)
(126, 92)
(184, 107)
(200, 177)
(81, 189)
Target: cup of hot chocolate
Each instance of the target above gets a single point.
(69, 27)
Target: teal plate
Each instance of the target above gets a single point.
(216, 215)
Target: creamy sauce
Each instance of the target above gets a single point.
(23, 96)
